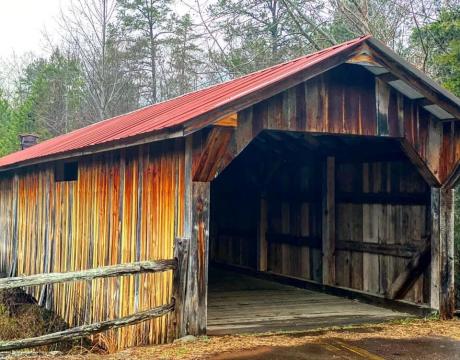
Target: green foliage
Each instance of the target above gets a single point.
(441, 40)
(47, 102)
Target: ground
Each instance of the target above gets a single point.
(411, 339)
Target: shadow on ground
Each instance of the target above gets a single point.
(429, 348)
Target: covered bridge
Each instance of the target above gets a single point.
(333, 170)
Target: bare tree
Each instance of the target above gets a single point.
(88, 31)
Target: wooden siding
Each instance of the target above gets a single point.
(350, 100)
(384, 203)
(380, 222)
(8, 223)
(125, 206)
(294, 222)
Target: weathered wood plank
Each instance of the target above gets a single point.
(446, 259)
(409, 276)
(419, 163)
(392, 249)
(435, 281)
(280, 238)
(214, 156)
(328, 222)
(382, 96)
(177, 327)
(102, 272)
(262, 246)
(383, 198)
(196, 301)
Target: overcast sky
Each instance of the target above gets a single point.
(22, 23)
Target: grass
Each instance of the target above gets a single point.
(21, 317)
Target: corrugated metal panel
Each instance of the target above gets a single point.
(173, 112)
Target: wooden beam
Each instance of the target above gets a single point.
(452, 180)
(328, 221)
(177, 327)
(446, 258)
(90, 274)
(411, 273)
(310, 241)
(197, 276)
(421, 166)
(86, 330)
(391, 249)
(262, 246)
(230, 120)
(216, 154)
(435, 280)
(383, 198)
(266, 175)
(363, 58)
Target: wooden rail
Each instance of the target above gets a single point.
(178, 264)
(102, 272)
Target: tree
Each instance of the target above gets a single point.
(6, 132)
(441, 39)
(250, 35)
(90, 35)
(146, 23)
(53, 92)
(181, 73)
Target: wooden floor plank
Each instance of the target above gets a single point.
(239, 303)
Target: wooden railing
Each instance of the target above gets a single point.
(178, 265)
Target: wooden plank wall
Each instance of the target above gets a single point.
(234, 210)
(381, 204)
(8, 205)
(349, 100)
(126, 206)
(387, 217)
(450, 147)
(294, 222)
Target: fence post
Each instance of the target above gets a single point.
(177, 326)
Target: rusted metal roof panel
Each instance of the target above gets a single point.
(171, 113)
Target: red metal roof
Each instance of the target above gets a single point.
(170, 113)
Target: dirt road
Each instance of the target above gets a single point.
(410, 339)
(429, 348)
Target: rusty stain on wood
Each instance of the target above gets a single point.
(101, 219)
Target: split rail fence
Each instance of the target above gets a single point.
(178, 265)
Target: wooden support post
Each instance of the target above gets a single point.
(435, 249)
(177, 328)
(262, 235)
(197, 276)
(446, 257)
(328, 221)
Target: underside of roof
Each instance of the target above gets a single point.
(182, 115)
